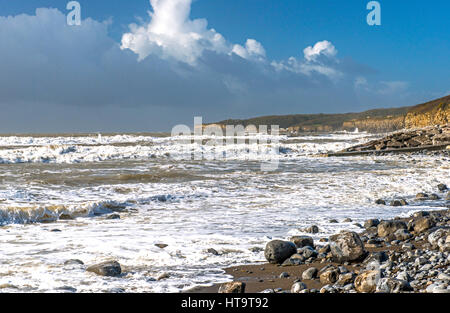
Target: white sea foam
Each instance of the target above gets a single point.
(72, 150)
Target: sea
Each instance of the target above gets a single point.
(174, 222)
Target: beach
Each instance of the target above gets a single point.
(403, 264)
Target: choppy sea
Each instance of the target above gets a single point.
(59, 192)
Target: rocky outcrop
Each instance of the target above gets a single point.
(423, 137)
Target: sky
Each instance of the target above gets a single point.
(140, 65)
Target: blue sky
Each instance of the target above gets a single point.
(355, 67)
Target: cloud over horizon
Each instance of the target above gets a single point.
(171, 68)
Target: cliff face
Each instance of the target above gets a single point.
(376, 125)
(437, 113)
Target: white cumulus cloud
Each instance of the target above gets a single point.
(171, 34)
(324, 47)
(253, 50)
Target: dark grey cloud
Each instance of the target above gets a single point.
(55, 77)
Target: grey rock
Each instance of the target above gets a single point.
(295, 259)
(386, 228)
(232, 287)
(347, 246)
(163, 276)
(366, 282)
(277, 251)
(346, 279)
(212, 251)
(313, 229)
(401, 202)
(403, 276)
(423, 224)
(310, 273)
(392, 285)
(284, 275)
(307, 252)
(113, 217)
(442, 187)
(422, 196)
(371, 223)
(444, 277)
(402, 234)
(73, 262)
(302, 241)
(298, 287)
(108, 268)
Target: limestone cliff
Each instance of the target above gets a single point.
(435, 112)
(376, 125)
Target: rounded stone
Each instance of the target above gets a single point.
(277, 251)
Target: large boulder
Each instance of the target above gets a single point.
(108, 268)
(387, 228)
(347, 246)
(402, 234)
(371, 223)
(366, 282)
(302, 241)
(232, 287)
(277, 251)
(440, 238)
(423, 224)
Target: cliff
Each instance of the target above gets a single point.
(436, 112)
(376, 125)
